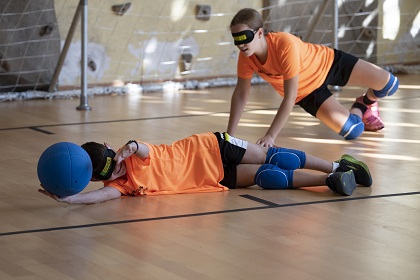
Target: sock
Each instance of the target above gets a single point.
(367, 101)
(335, 166)
(360, 106)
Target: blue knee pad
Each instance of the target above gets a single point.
(272, 177)
(352, 128)
(286, 158)
(390, 88)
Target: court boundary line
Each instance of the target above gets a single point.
(267, 205)
(38, 127)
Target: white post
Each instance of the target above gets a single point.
(335, 33)
(83, 5)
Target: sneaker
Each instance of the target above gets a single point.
(342, 182)
(371, 117)
(360, 169)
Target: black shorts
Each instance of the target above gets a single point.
(338, 75)
(232, 151)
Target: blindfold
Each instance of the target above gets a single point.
(108, 165)
(243, 37)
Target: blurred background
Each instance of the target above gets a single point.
(140, 46)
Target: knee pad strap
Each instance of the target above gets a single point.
(352, 128)
(272, 177)
(284, 158)
(390, 88)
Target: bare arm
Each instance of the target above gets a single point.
(286, 107)
(96, 196)
(143, 150)
(238, 102)
(135, 148)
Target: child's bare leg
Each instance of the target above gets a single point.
(269, 176)
(366, 74)
(343, 183)
(316, 163)
(246, 177)
(307, 179)
(255, 154)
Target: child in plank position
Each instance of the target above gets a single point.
(301, 72)
(210, 162)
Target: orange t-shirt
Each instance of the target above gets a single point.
(190, 165)
(289, 56)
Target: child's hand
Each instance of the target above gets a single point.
(122, 154)
(125, 152)
(53, 196)
(266, 141)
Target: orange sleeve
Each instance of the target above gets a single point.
(244, 68)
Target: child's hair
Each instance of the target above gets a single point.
(248, 16)
(96, 154)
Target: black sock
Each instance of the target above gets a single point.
(360, 106)
(367, 101)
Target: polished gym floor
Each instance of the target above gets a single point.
(240, 234)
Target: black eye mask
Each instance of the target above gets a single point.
(109, 165)
(243, 37)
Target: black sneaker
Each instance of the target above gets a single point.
(361, 170)
(342, 182)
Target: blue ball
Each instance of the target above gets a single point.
(64, 169)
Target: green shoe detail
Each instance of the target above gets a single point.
(361, 170)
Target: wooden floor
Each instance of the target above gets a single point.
(241, 234)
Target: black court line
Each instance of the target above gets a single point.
(260, 200)
(40, 130)
(268, 205)
(37, 127)
(101, 122)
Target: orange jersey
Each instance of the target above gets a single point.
(287, 57)
(190, 165)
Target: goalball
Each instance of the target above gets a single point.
(64, 169)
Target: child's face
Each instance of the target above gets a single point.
(119, 170)
(114, 166)
(248, 48)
